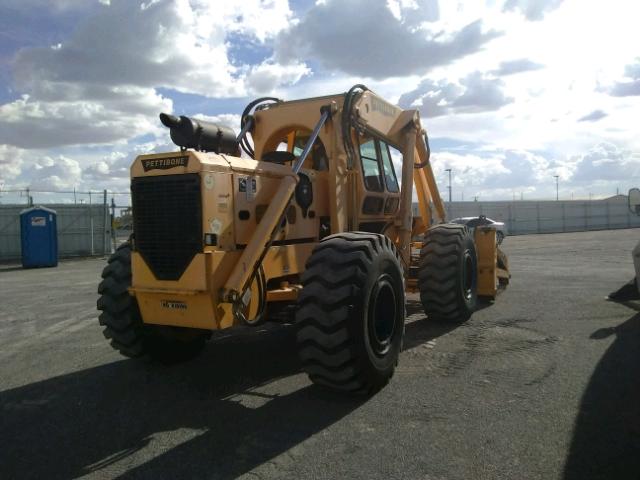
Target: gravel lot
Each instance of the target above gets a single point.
(544, 384)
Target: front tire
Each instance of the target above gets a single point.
(351, 312)
(124, 326)
(448, 273)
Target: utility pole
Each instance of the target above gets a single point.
(556, 177)
(449, 170)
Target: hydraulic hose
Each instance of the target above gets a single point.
(244, 142)
(347, 122)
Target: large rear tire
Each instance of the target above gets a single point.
(448, 273)
(351, 312)
(124, 326)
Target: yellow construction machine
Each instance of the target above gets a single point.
(311, 219)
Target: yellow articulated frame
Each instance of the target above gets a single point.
(192, 301)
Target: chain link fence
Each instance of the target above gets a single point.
(86, 221)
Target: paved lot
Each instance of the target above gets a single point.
(542, 385)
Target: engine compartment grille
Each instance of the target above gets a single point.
(167, 222)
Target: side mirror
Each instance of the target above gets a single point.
(634, 201)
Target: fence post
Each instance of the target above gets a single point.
(538, 216)
(586, 216)
(91, 223)
(564, 217)
(105, 227)
(608, 216)
(113, 224)
(512, 230)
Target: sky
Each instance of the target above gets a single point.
(512, 92)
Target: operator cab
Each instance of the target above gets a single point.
(379, 190)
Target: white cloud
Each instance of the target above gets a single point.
(630, 86)
(514, 99)
(267, 76)
(34, 123)
(594, 116)
(472, 94)
(365, 38)
(53, 173)
(261, 18)
(11, 160)
(99, 86)
(606, 162)
(166, 44)
(532, 9)
(511, 67)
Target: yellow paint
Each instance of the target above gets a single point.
(485, 239)
(194, 300)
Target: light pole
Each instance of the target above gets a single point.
(449, 170)
(556, 177)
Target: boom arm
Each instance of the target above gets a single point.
(402, 129)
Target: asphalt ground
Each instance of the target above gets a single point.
(544, 384)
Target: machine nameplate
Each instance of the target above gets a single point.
(384, 108)
(164, 163)
(173, 305)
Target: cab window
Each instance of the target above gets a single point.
(389, 172)
(318, 153)
(371, 167)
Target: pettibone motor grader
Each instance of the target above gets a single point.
(316, 221)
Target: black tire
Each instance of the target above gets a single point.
(123, 324)
(448, 273)
(351, 312)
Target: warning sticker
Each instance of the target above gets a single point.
(215, 226)
(38, 221)
(209, 181)
(249, 186)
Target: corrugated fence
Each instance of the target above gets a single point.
(83, 230)
(522, 217)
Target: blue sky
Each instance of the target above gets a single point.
(512, 92)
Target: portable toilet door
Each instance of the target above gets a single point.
(39, 237)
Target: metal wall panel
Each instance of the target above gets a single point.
(83, 230)
(523, 217)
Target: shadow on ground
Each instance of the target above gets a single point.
(71, 425)
(86, 421)
(606, 438)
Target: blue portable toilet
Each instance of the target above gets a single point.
(39, 237)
